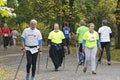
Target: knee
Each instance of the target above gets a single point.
(93, 57)
(29, 63)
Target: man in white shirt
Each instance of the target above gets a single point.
(105, 35)
(31, 43)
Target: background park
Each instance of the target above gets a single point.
(18, 13)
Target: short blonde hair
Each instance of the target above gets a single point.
(91, 24)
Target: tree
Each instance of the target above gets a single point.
(118, 24)
(5, 11)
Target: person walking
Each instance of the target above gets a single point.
(14, 35)
(31, 43)
(56, 43)
(6, 35)
(105, 35)
(90, 43)
(1, 39)
(79, 37)
(66, 31)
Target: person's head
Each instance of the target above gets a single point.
(14, 29)
(33, 24)
(104, 22)
(56, 26)
(82, 22)
(91, 27)
(65, 24)
(5, 25)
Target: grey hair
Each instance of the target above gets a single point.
(33, 21)
(5, 24)
(56, 24)
(104, 22)
(82, 22)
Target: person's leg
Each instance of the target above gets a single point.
(14, 42)
(93, 59)
(4, 40)
(87, 58)
(34, 60)
(68, 45)
(61, 55)
(54, 57)
(29, 62)
(107, 48)
(7, 41)
(0, 40)
(100, 56)
(80, 53)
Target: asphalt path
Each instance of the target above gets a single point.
(10, 59)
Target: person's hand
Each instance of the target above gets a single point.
(40, 53)
(83, 50)
(65, 47)
(49, 45)
(100, 49)
(23, 50)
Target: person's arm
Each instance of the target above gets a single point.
(110, 35)
(40, 45)
(49, 42)
(76, 37)
(98, 43)
(99, 35)
(63, 42)
(23, 43)
(83, 44)
(9, 34)
(77, 34)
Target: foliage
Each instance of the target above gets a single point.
(5, 11)
(48, 12)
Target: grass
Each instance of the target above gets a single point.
(2, 73)
(115, 54)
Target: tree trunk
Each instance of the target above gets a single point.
(118, 24)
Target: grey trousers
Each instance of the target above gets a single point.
(90, 55)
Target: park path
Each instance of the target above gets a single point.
(10, 58)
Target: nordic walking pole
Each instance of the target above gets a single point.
(77, 58)
(64, 59)
(38, 62)
(64, 62)
(98, 59)
(19, 66)
(47, 61)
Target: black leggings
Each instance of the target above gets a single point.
(105, 45)
(31, 60)
(6, 41)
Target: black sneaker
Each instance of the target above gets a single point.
(56, 68)
(85, 69)
(109, 63)
(93, 72)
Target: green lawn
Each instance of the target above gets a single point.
(115, 53)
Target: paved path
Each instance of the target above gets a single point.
(11, 57)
